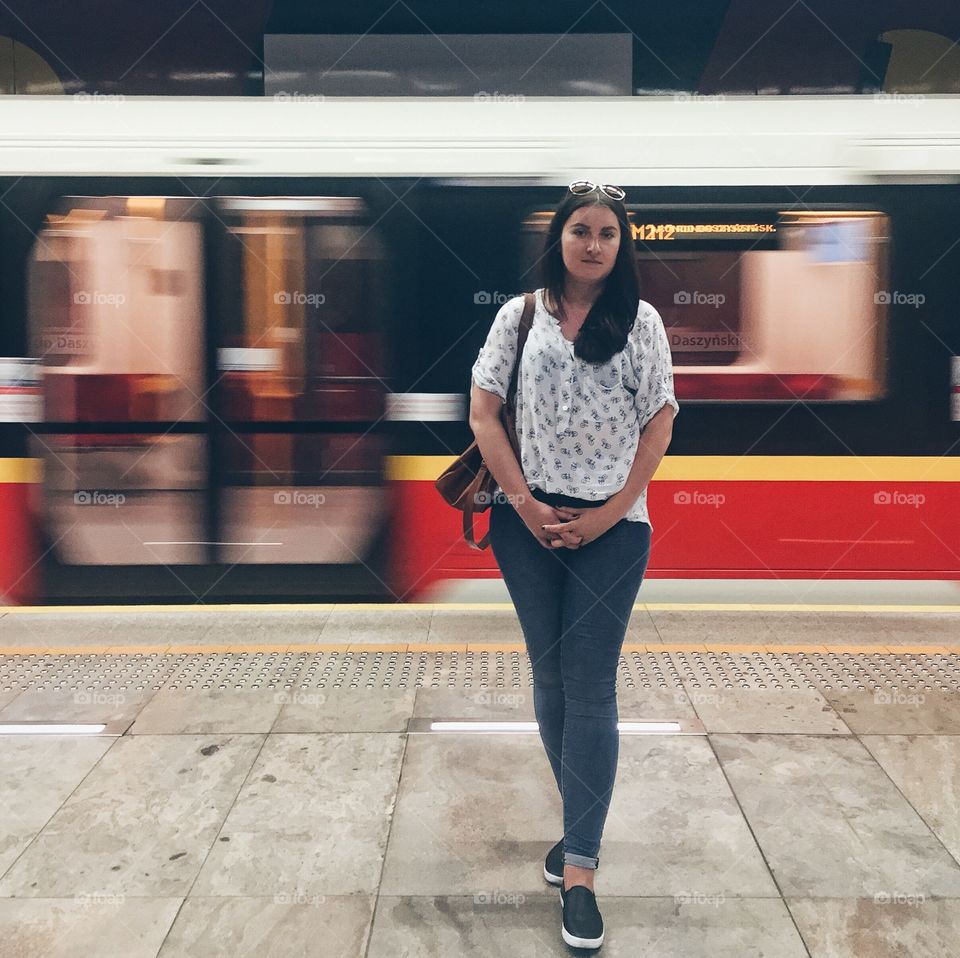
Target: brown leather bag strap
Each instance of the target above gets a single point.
(508, 411)
(526, 321)
(468, 531)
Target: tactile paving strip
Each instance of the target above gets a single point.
(373, 669)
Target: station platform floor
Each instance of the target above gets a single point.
(367, 780)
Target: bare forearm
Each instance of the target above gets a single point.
(500, 459)
(653, 443)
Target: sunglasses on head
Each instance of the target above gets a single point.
(585, 186)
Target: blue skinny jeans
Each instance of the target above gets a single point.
(574, 606)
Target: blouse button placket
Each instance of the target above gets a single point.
(565, 399)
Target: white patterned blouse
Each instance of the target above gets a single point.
(578, 424)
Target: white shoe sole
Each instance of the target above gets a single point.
(553, 879)
(574, 942)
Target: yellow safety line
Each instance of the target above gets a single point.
(411, 607)
(472, 647)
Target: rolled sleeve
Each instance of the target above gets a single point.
(494, 365)
(653, 366)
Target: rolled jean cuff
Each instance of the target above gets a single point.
(580, 861)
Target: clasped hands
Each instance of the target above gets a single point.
(576, 528)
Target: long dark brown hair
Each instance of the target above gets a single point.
(604, 331)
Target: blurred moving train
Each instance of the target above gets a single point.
(247, 383)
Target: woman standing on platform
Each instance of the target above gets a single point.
(569, 526)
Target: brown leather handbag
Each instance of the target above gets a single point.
(467, 484)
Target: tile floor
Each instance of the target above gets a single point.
(268, 823)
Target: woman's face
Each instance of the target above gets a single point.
(589, 243)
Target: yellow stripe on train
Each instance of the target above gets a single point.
(21, 470)
(676, 468)
(750, 468)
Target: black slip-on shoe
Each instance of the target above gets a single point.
(553, 864)
(582, 925)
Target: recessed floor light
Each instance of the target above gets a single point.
(46, 728)
(628, 727)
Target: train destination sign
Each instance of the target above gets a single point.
(652, 232)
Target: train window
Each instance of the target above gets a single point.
(115, 309)
(130, 499)
(303, 320)
(118, 311)
(302, 325)
(760, 303)
(301, 497)
(60, 337)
